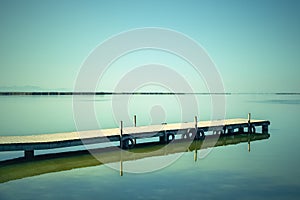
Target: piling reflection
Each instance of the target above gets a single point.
(19, 168)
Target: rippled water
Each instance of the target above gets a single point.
(271, 170)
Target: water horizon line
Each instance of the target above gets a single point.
(54, 93)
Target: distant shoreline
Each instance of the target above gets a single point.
(136, 93)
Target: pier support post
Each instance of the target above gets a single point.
(121, 134)
(134, 124)
(265, 128)
(134, 120)
(29, 154)
(249, 118)
(197, 135)
(249, 123)
(229, 131)
(162, 139)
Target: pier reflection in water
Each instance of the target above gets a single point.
(20, 168)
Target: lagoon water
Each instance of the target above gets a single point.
(271, 170)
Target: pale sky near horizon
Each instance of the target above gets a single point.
(255, 44)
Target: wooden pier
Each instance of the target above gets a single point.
(128, 136)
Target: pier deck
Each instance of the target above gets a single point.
(128, 135)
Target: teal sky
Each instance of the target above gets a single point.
(254, 44)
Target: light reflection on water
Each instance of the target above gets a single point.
(270, 171)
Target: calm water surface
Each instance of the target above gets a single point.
(270, 171)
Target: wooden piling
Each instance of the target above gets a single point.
(134, 120)
(265, 128)
(121, 147)
(196, 128)
(29, 154)
(249, 123)
(162, 139)
(249, 118)
(134, 124)
(121, 134)
(229, 131)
